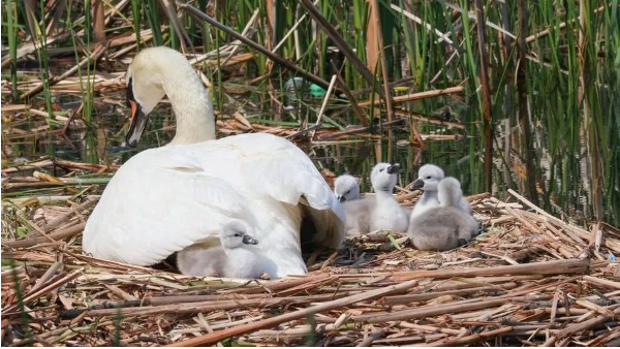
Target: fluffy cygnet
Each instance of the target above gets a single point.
(429, 177)
(450, 194)
(381, 211)
(233, 259)
(428, 180)
(346, 188)
(446, 226)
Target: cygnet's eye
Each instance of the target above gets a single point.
(348, 191)
(381, 170)
(428, 177)
(238, 234)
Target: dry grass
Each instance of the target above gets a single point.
(529, 279)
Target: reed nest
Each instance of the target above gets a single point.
(529, 279)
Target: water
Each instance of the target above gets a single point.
(461, 158)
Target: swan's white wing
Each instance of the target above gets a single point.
(168, 198)
(158, 203)
(275, 167)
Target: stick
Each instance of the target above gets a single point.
(419, 95)
(239, 330)
(566, 266)
(288, 65)
(56, 235)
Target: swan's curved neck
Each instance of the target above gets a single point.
(193, 108)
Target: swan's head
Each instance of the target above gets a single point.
(384, 176)
(346, 188)
(429, 177)
(236, 234)
(449, 191)
(152, 74)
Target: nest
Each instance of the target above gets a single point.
(529, 279)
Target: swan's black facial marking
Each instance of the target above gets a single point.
(129, 94)
(137, 119)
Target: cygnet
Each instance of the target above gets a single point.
(346, 188)
(235, 258)
(381, 211)
(450, 194)
(446, 226)
(428, 180)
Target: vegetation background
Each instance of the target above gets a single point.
(539, 109)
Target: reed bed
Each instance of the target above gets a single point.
(529, 279)
(526, 100)
(538, 108)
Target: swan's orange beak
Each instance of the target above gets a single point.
(138, 119)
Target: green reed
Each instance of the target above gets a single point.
(572, 84)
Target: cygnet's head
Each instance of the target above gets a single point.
(236, 234)
(383, 177)
(429, 177)
(346, 188)
(449, 191)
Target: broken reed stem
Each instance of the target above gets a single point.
(288, 65)
(239, 330)
(99, 50)
(56, 235)
(418, 95)
(566, 266)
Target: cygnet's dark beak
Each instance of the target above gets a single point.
(248, 240)
(393, 169)
(342, 198)
(418, 184)
(138, 119)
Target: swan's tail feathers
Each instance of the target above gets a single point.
(291, 177)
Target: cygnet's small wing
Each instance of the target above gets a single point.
(201, 261)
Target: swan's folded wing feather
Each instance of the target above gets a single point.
(163, 210)
(275, 167)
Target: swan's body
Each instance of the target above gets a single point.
(443, 227)
(381, 211)
(346, 188)
(166, 199)
(235, 258)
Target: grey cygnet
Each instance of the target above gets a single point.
(235, 258)
(446, 226)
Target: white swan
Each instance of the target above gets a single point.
(236, 258)
(381, 211)
(166, 199)
(346, 188)
(446, 226)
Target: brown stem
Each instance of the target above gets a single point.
(486, 99)
(524, 120)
